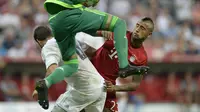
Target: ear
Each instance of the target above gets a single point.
(37, 41)
(150, 33)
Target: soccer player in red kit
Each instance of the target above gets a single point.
(106, 60)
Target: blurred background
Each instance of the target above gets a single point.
(172, 85)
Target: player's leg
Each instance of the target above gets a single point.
(60, 103)
(56, 108)
(98, 105)
(82, 110)
(57, 76)
(61, 72)
(91, 21)
(61, 28)
(111, 105)
(74, 101)
(99, 20)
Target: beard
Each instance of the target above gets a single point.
(136, 39)
(135, 36)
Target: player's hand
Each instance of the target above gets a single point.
(109, 87)
(107, 35)
(35, 95)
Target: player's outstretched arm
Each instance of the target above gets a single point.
(49, 70)
(51, 58)
(87, 40)
(132, 86)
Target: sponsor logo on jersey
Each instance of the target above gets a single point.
(132, 59)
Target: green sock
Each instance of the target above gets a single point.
(61, 72)
(121, 43)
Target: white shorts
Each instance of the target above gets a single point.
(75, 101)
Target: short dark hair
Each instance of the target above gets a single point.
(148, 19)
(41, 33)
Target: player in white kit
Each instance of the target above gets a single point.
(85, 88)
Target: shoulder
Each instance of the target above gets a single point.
(128, 33)
(145, 56)
(50, 42)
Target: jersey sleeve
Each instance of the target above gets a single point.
(51, 55)
(146, 59)
(144, 63)
(87, 41)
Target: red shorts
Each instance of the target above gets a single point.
(111, 104)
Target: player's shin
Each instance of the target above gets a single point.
(120, 41)
(61, 72)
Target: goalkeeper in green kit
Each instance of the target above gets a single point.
(69, 17)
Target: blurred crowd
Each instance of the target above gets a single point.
(176, 88)
(177, 24)
(177, 31)
(20, 86)
(183, 88)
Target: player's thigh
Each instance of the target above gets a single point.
(56, 108)
(105, 20)
(82, 110)
(111, 105)
(107, 110)
(91, 21)
(64, 23)
(98, 105)
(67, 47)
(72, 101)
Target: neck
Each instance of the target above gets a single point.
(136, 43)
(50, 37)
(45, 41)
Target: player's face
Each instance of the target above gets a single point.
(141, 31)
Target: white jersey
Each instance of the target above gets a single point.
(87, 78)
(51, 53)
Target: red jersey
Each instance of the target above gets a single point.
(106, 63)
(106, 59)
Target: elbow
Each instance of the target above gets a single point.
(135, 85)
